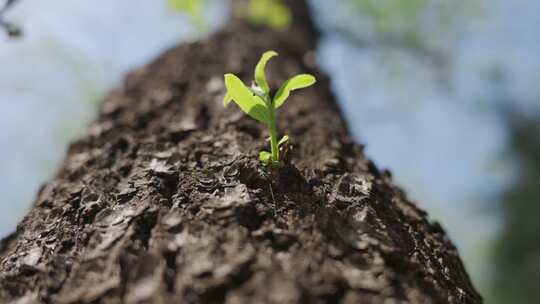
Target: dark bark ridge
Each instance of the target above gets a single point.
(163, 199)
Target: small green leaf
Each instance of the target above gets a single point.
(260, 74)
(252, 105)
(265, 157)
(283, 140)
(294, 83)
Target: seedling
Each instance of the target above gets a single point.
(257, 102)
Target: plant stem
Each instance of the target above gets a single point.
(273, 130)
(274, 143)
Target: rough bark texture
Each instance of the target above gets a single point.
(164, 201)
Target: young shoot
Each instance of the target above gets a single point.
(257, 102)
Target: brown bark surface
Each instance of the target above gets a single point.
(163, 199)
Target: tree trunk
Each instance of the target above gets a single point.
(163, 200)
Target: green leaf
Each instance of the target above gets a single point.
(272, 13)
(252, 105)
(227, 99)
(283, 140)
(279, 17)
(260, 75)
(193, 8)
(265, 157)
(294, 83)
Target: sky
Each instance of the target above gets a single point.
(52, 79)
(438, 127)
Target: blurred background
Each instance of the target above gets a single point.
(446, 94)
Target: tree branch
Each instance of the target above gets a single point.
(11, 29)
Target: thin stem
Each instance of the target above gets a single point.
(274, 143)
(273, 130)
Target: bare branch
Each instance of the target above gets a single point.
(11, 29)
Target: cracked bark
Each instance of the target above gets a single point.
(163, 199)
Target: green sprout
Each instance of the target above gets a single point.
(257, 102)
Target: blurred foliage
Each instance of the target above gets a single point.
(392, 16)
(193, 8)
(272, 13)
(424, 29)
(517, 254)
(410, 18)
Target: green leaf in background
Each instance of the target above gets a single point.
(252, 105)
(272, 13)
(260, 77)
(294, 83)
(192, 8)
(279, 17)
(396, 16)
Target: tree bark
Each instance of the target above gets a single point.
(163, 200)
